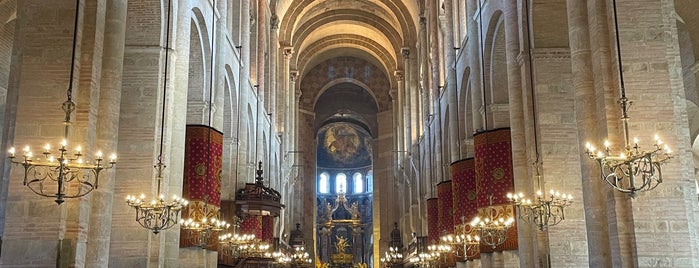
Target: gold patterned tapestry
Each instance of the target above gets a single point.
(493, 157)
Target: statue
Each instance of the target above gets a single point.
(329, 211)
(355, 211)
(341, 244)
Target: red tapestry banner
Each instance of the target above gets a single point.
(493, 156)
(268, 229)
(432, 221)
(252, 225)
(445, 208)
(494, 175)
(203, 148)
(463, 185)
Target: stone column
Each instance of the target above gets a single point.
(525, 231)
(287, 103)
(397, 98)
(245, 90)
(262, 50)
(273, 66)
(434, 58)
(451, 81)
(418, 99)
(654, 83)
(294, 111)
(586, 119)
(405, 99)
(474, 49)
(99, 234)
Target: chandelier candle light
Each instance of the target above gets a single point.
(633, 170)
(464, 237)
(73, 175)
(492, 227)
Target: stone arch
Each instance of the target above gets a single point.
(496, 72)
(230, 103)
(199, 73)
(251, 143)
(344, 80)
(403, 15)
(465, 106)
(230, 131)
(366, 48)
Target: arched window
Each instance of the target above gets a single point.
(324, 183)
(341, 183)
(358, 183)
(370, 181)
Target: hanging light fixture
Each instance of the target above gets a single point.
(66, 170)
(204, 219)
(633, 170)
(493, 222)
(392, 257)
(465, 241)
(158, 214)
(544, 210)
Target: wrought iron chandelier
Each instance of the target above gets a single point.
(392, 257)
(159, 214)
(465, 241)
(633, 170)
(244, 246)
(424, 259)
(492, 225)
(68, 171)
(300, 258)
(544, 210)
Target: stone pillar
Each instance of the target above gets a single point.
(108, 116)
(273, 66)
(654, 83)
(262, 50)
(522, 180)
(397, 99)
(450, 85)
(285, 104)
(405, 99)
(418, 99)
(433, 58)
(294, 111)
(586, 117)
(474, 49)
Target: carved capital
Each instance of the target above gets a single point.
(399, 75)
(293, 75)
(406, 52)
(288, 51)
(274, 22)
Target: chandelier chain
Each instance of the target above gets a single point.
(69, 92)
(165, 75)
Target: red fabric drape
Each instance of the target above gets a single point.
(493, 161)
(432, 221)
